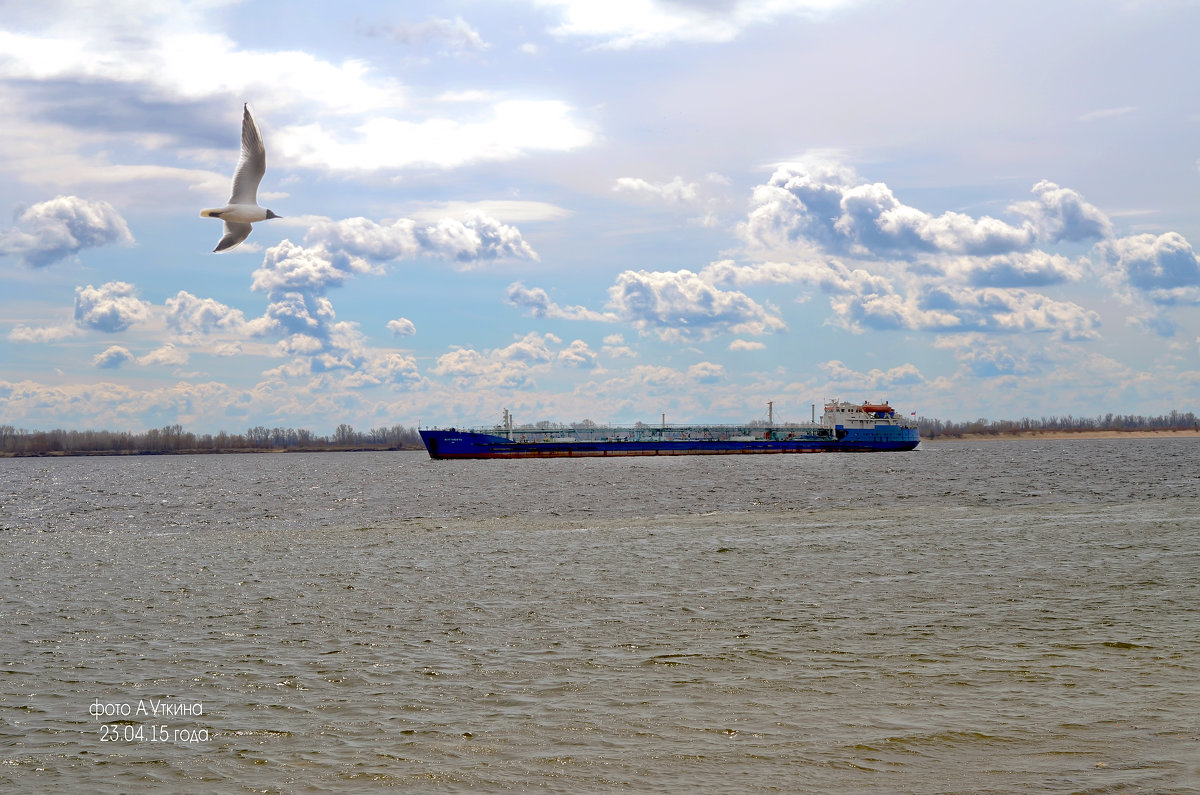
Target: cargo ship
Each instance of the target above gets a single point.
(843, 428)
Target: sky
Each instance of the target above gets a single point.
(616, 211)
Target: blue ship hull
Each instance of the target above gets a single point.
(443, 444)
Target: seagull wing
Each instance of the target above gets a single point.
(251, 165)
(234, 233)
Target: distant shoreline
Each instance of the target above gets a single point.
(1065, 435)
(206, 451)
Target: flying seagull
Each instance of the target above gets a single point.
(242, 209)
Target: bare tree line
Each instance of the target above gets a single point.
(174, 439)
(260, 438)
(1174, 421)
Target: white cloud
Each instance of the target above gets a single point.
(296, 278)
(190, 316)
(114, 405)
(826, 204)
(844, 377)
(513, 129)
(987, 357)
(1025, 269)
(622, 24)
(509, 211)
(830, 276)
(614, 346)
(401, 327)
(53, 230)
(1163, 268)
(1062, 214)
(992, 309)
(747, 345)
(162, 57)
(302, 313)
(537, 303)
(290, 267)
(475, 239)
(43, 334)
(112, 307)
(382, 367)
(166, 354)
(681, 305)
(706, 373)
(578, 354)
(968, 309)
(117, 67)
(511, 366)
(456, 35)
(944, 273)
(674, 192)
(112, 357)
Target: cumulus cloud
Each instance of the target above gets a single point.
(112, 307)
(829, 276)
(476, 238)
(112, 357)
(296, 279)
(578, 354)
(302, 313)
(166, 354)
(706, 373)
(1027, 269)
(875, 379)
(380, 367)
(1062, 214)
(510, 366)
(537, 303)
(189, 316)
(986, 358)
(1164, 268)
(992, 309)
(681, 305)
(53, 230)
(41, 334)
(676, 305)
(107, 404)
(940, 273)
(614, 346)
(401, 327)
(291, 267)
(827, 204)
(960, 308)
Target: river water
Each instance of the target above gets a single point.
(969, 617)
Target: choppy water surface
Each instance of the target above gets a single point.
(999, 617)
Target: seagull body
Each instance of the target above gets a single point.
(242, 209)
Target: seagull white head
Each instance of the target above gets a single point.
(242, 209)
